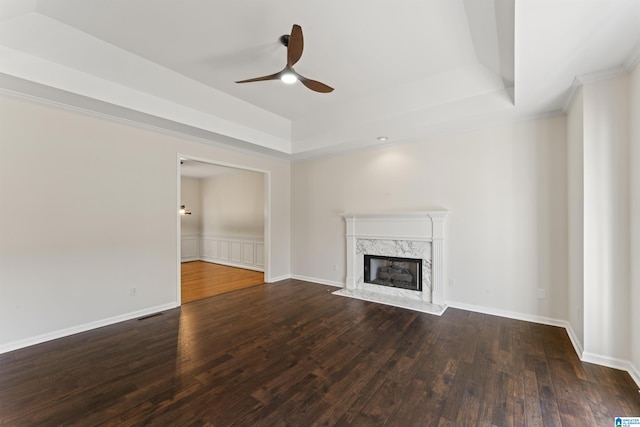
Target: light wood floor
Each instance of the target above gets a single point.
(204, 279)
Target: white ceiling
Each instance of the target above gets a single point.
(403, 69)
(198, 170)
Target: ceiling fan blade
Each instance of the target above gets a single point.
(315, 85)
(275, 76)
(295, 46)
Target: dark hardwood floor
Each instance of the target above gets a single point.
(293, 354)
(201, 279)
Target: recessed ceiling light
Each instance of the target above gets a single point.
(382, 138)
(289, 78)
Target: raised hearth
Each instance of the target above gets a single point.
(415, 235)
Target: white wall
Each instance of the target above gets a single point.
(228, 224)
(233, 204)
(634, 116)
(606, 219)
(575, 176)
(190, 225)
(505, 188)
(95, 215)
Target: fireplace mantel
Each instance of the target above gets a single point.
(411, 234)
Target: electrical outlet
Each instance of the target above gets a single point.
(542, 294)
(451, 283)
(133, 292)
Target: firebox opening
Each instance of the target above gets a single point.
(404, 273)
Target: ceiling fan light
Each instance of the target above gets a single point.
(289, 78)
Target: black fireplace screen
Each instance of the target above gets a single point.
(405, 273)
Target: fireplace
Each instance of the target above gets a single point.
(396, 272)
(387, 240)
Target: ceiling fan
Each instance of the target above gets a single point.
(294, 43)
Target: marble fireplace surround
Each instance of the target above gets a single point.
(400, 234)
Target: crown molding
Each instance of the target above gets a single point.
(633, 60)
(149, 123)
(583, 79)
(627, 67)
(597, 76)
(575, 88)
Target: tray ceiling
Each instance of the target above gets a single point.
(404, 69)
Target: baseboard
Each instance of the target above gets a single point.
(231, 264)
(612, 362)
(509, 314)
(635, 374)
(577, 345)
(16, 345)
(279, 278)
(190, 259)
(317, 280)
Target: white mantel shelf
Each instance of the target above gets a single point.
(393, 215)
(417, 234)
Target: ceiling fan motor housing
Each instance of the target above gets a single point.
(294, 43)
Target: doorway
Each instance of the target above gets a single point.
(223, 228)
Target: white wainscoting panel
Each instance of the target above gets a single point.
(235, 251)
(223, 254)
(260, 254)
(248, 253)
(189, 248)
